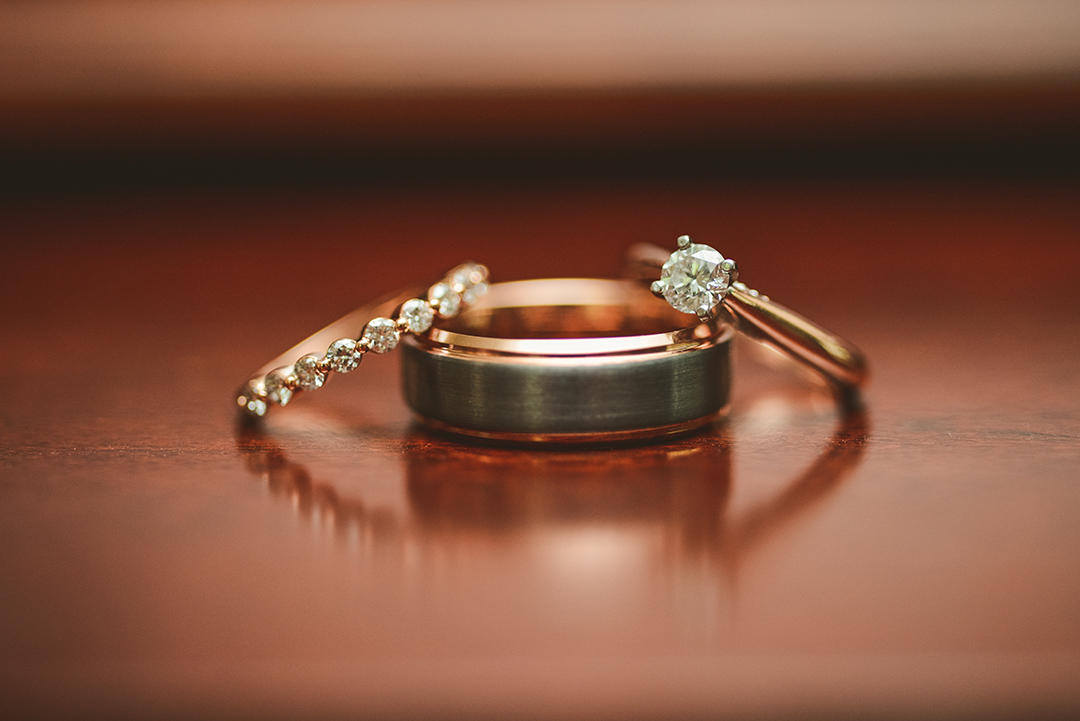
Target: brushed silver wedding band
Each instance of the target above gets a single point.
(568, 361)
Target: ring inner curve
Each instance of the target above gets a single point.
(569, 360)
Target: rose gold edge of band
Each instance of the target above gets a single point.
(255, 398)
(590, 438)
(477, 348)
(575, 351)
(585, 293)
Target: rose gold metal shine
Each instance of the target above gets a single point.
(352, 326)
(765, 320)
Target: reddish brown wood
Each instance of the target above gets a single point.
(922, 559)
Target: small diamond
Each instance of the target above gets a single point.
(467, 275)
(446, 298)
(277, 387)
(343, 355)
(308, 374)
(693, 279)
(381, 335)
(474, 293)
(417, 315)
(252, 402)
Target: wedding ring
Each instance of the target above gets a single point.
(568, 361)
(374, 328)
(696, 279)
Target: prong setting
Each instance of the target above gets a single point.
(277, 387)
(381, 335)
(460, 288)
(444, 299)
(310, 373)
(696, 278)
(415, 316)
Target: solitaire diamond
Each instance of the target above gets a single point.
(343, 355)
(308, 374)
(417, 315)
(695, 278)
(381, 335)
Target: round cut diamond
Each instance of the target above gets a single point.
(467, 275)
(381, 335)
(472, 294)
(343, 355)
(417, 315)
(695, 280)
(446, 298)
(277, 387)
(308, 374)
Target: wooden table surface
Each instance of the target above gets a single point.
(922, 559)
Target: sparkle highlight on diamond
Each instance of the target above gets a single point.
(252, 402)
(308, 374)
(695, 278)
(381, 335)
(417, 315)
(277, 387)
(446, 299)
(458, 289)
(344, 355)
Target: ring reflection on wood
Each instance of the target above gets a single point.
(455, 491)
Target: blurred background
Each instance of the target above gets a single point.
(166, 93)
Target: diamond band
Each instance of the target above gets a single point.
(336, 348)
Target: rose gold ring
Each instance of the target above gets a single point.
(375, 328)
(569, 361)
(566, 360)
(696, 279)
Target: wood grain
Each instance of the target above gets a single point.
(920, 560)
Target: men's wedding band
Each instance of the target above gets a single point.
(568, 361)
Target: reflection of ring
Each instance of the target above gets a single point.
(456, 490)
(341, 346)
(569, 360)
(697, 279)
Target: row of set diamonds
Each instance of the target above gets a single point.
(459, 289)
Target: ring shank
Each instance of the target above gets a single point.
(350, 326)
(834, 358)
(569, 361)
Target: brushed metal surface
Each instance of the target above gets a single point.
(567, 395)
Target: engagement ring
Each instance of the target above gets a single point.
(699, 280)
